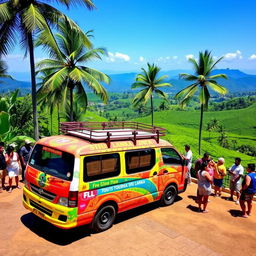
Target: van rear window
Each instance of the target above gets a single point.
(101, 166)
(53, 162)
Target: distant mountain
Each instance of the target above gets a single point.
(7, 84)
(237, 81)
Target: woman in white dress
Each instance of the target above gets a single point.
(13, 166)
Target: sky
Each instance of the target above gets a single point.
(164, 32)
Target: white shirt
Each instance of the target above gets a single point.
(237, 170)
(189, 156)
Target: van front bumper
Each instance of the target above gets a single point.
(58, 215)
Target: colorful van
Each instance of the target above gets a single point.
(96, 170)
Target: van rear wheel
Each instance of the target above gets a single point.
(169, 195)
(104, 218)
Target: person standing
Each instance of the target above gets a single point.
(3, 171)
(219, 174)
(13, 166)
(204, 160)
(25, 152)
(204, 187)
(248, 190)
(188, 156)
(236, 171)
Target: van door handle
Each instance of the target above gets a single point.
(165, 171)
(154, 173)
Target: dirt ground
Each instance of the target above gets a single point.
(149, 230)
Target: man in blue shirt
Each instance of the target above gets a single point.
(248, 190)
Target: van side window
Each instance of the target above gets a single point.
(101, 166)
(171, 156)
(139, 160)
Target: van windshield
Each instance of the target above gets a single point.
(53, 162)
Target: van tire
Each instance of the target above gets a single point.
(169, 195)
(104, 218)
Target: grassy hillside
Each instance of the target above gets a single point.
(241, 122)
(182, 127)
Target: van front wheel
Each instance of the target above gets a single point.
(169, 195)
(104, 218)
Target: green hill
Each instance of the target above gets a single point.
(182, 127)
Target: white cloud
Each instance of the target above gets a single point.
(112, 57)
(233, 55)
(175, 57)
(189, 56)
(252, 57)
(141, 59)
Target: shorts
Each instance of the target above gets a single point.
(204, 191)
(246, 197)
(3, 173)
(235, 186)
(13, 172)
(218, 182)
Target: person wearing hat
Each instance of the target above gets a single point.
(25, 152)
(248, 190)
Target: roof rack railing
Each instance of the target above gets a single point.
(111, 131)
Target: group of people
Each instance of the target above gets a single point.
(209, 172)
(13, 163)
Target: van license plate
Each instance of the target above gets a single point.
(38, 213)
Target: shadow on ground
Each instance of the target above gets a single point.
(52, 233)
(193, 208)
(65, 237)
(235, 213)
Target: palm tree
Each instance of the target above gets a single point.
(150, 83)
(3, 69)
(65, 67)
(202, 79)
(25, 17)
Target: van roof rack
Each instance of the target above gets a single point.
(111, 131)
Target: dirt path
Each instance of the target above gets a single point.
(149, 230)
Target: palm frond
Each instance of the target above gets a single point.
(218, 76)
(162, 94)
(139, 98)
(218, 88)
(187, 92)
(188, 77)
(32, 18)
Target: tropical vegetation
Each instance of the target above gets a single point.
(150, 82)
(202, 80)
(67, 71)
(26, 17)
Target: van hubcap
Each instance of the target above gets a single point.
(105, 217)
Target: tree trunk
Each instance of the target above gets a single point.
(71, 104)
(51, 122)
(33, 85)
(58, 108)
(152, 110)
(200, 128)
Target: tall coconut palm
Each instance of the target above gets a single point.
(67, 69)
(150, 82)
(202, 79)
(25, 17)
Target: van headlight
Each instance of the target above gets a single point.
(63, 201)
